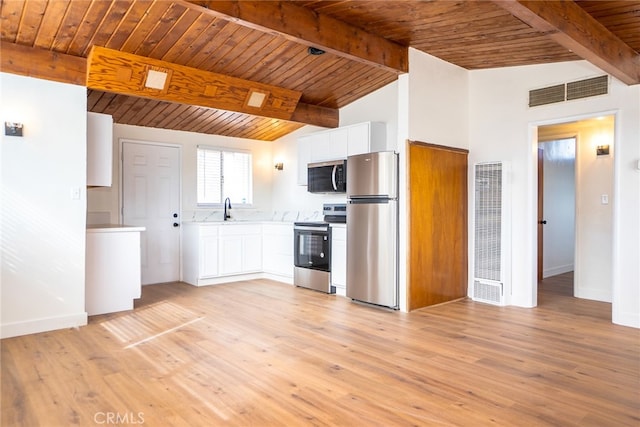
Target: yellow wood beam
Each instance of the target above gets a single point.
(125, 73)
(303, 25)
(572, 27)
(45, 64)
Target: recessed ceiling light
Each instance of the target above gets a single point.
(256, 99)
(155, 79)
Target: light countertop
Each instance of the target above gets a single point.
(112, 228)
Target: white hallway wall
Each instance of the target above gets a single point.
(42, 228)
(502, 127)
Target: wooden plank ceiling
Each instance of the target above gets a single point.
(267, 43)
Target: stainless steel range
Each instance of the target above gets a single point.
(312, 250)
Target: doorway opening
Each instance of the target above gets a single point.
(575, 217)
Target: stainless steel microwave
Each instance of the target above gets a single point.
(327, 177)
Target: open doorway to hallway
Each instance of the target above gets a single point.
(575, 220)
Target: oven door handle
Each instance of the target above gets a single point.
(333, 177)
(310, 228)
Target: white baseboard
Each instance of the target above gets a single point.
(278, 278)
(240, 277)
(34, 326)
(554, 271)
(593, 294)
(627, 319)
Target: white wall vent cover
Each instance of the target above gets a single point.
(488, 291)
(490, 265)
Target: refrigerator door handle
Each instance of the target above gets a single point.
(333, 177)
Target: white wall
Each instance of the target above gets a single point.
(502, 127)
(107, 199)
(594, 221)
(42, 226)
(438, 101)
(559, 205)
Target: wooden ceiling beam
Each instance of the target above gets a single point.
(48, 65)
(128, 74)
(572, 27)
(307, 27)
(316, 115)
(42, 64)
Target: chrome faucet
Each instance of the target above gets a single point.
(227, 208)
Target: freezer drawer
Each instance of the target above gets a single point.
(372, 252)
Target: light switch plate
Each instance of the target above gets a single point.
(75, 193)
(604, 199)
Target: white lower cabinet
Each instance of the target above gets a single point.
(208, 245)
(212, 252)
(277, 249)
(339, 258)
(240, 248)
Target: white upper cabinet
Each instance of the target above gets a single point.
(99, 149)
(335, 144)
(368, 137)
(304, 158)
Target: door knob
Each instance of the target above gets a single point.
(544, 221)
(175, 224)
(175, 215)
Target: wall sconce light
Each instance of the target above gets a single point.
(279, 166)
(12, 129)
(602, 150)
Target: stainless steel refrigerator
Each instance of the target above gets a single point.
(372, 228)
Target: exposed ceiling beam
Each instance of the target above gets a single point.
(45, 64)
(570, 26)
(42, 64)
(316, 115)
(128, 74)
(305, 26)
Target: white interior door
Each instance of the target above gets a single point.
(151, 198)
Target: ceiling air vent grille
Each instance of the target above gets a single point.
(589, 87)
(546, 95)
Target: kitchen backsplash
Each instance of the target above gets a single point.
(253, 215)
(213, 215)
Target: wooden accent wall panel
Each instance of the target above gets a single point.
(437, 253)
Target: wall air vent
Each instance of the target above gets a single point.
(491, 262)
(546, 95)
(588, 87)
(569, 91)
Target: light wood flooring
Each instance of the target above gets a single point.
(260, 353)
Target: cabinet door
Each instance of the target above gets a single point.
(99, 149)
(251, 253)
(358, 139)
(304, 158)
(208, 254)
(339, 257)
(338, 140)
(277, 249)
(320, 147)
(230, 254)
